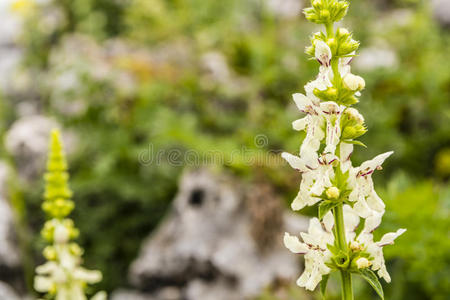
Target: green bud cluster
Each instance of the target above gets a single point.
(349, 259)
(341, 45)
(57, 203)
(340, 96)
(63, 255)
(352, 125)
(345, 44)
(326, 11)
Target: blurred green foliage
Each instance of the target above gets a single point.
(212, 75)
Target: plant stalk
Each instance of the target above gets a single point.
(346, 279)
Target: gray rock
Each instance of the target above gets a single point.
(7, 293)
(9, 254)
(219, 241)
(441, 11)
(28, 140)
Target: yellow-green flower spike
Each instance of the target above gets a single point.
(57, 203)
(62, 276)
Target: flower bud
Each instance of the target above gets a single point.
(342, 32)
(354, 115)
(354, 82)
(332, 43)
(325, 14)
(333, 192)
(50, 253)
(362, 263)
(61, 234)
(355, 246)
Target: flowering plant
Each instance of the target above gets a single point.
(62, 277)
(349, 209)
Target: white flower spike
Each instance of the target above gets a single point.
(344, 194)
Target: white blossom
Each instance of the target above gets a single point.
(66, 279)
(315, 179)
(363, 192)
(314, 247)
(313, 123)
(322, 53)
(332, 114)
(375, 249)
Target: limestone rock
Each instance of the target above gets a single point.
(6, 292)
(441, 11)
(220, 241)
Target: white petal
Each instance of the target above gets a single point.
(372, 222)
(375, 202)
(294, 161)
(345, 152)
(87, 275)
(329, 107)
(351, 219)
(376, 161)
(362, 209)
(300, 124)
(328, 221)
(294, 244)
(383, 273)
(47, 268)
(301, 101)
(303, 279)
(315, 227)
(299, 202)
(388, 238)
(42, 283)
(100, 296)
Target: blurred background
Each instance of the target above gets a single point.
(148, 91)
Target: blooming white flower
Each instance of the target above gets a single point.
(66, 281)
(315, 179)
(363, 192)
(332, 114)
(323, 53)
(375, 249)
(345, 152)
(325, 77)
(313, 123)
(314, 246)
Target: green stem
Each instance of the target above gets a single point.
(347, 289)
(329, 28)
(338, 213)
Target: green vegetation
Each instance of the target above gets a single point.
(209, 75)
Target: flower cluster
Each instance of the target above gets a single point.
(345, 194)
(62, 277)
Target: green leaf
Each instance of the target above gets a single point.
(333, 249)
(323, 285)
(326, 206)
(372, 279)
(355, 143)
(360, 227)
